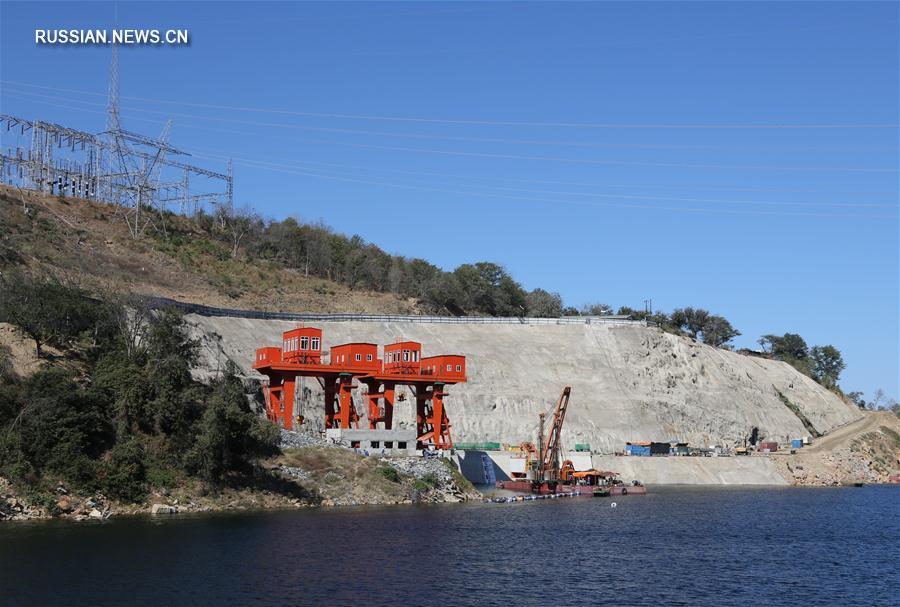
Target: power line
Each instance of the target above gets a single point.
(274, 167)
(586, 144)
(263, 164)
(602, 185)
(588, 161)
(476, 122)
(205, 154)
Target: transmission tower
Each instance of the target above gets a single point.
(141, 176)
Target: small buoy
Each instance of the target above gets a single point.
(612, 505)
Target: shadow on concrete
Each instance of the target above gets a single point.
(471, 464)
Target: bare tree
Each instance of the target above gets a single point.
(132, 316)
(238, 223)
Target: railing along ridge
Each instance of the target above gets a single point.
(202, 310)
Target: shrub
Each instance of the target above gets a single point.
(124, 471)
(389, 472)
(430, 479)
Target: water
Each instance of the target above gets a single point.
(676, 546)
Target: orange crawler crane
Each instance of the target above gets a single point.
(403, 364)
(543, 473)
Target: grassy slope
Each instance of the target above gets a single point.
(90, 245)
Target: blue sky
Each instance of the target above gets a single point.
(590, 148)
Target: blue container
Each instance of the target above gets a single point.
(796, 443)
(643, 450)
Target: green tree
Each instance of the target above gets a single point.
(690, 320)
(790, 348)
(827, 364)
(488, 289)
(444, 294)
(48, 311)
(717, 331)
(59, 427)
(857, 399)
(787, 347)
(230, 436)
(123, 472)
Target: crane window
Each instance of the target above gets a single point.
(368, 357)
(415, 355)
(304, 343)
(449, 367)
(406, 356)
(459, 368)
(315, 343)
(359, 357)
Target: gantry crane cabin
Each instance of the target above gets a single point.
(301, 355)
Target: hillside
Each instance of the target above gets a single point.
(89, 244)
(629, 383)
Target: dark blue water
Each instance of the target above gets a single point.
(679, 546)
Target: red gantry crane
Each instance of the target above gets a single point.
(300, 355)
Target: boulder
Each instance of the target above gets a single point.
(163, 509)
(95, 514)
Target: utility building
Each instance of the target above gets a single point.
(303, 345)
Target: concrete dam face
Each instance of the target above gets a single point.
(629, 382)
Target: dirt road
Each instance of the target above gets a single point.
(869, 422)
(844, 456)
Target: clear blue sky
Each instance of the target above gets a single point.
(778, 229)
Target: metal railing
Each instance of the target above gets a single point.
(201, 310)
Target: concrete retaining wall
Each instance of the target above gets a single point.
(693, 470)
(755, 470)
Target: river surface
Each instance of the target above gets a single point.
(676, 546)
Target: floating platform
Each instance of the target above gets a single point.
(551, 488)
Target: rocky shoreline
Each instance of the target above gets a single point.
(872, 458)
(303, 477)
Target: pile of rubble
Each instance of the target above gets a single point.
(291, 439)
(421, 467)
(435, 474)
(294, 472)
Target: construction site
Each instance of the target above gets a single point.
(485, 402)
(546, 303)
(355, 373)
(502, 419)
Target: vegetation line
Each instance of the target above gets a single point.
(796, 411)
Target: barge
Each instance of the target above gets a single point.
(587, 483)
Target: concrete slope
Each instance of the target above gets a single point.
(629, 383)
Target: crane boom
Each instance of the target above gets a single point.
(551, 446)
